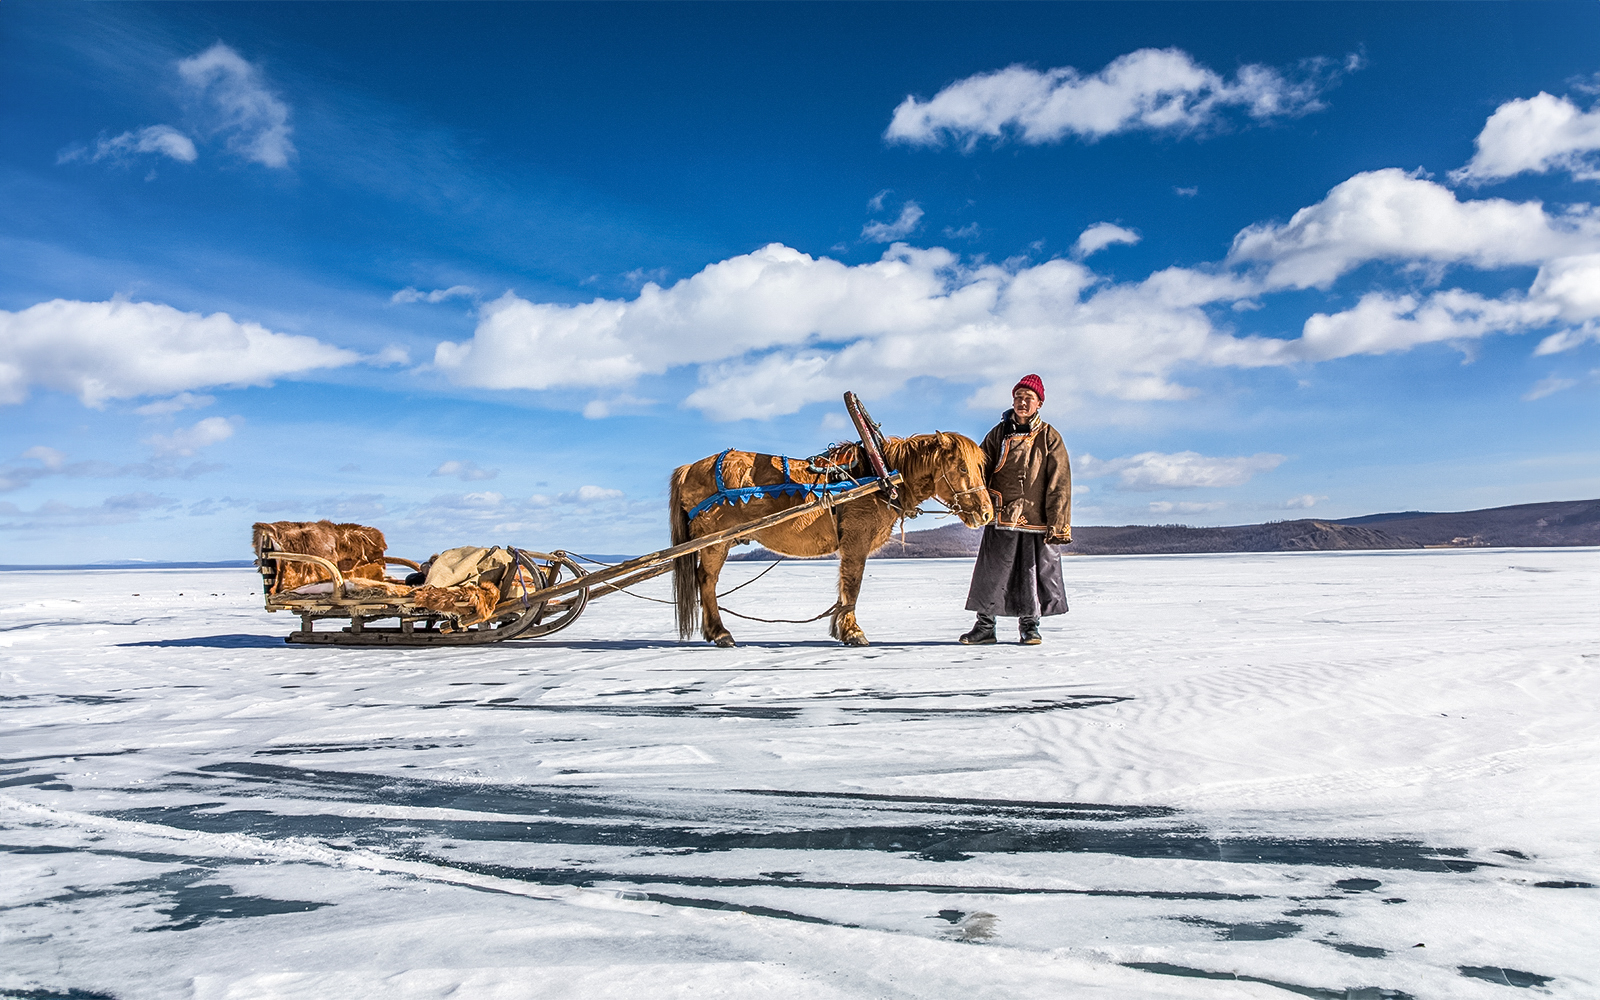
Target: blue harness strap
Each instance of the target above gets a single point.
(724, 496)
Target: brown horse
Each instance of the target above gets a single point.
(943, 466)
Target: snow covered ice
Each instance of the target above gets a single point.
(1328, 775)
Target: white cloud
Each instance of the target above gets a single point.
(367, 507)
(253, 121)
(1535, 135)
(1303, 502)
(389, 356)
(48, 457)
(101, 351)
(1566, 340)
(467, 472)
(588, 495)
(1169, 507)
(1572, 285)
(1393, 215)
(1549, 387)
(639, 276)
(182, 401)
(160, 139)
(214, 505)
(1161, 90)
(1153, 470)
(570, 517)
(970, 231)
(409, 294)
(527, 345)
(52, 462)
(1185, 192)
(888, 232)
(1099, 236)
(875, 203)
(53, 514)
(188, 440)
(914, 312)
(775, 330)
(1382, 323)
(599, 409)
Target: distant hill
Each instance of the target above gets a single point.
(1572, 522)
(1149, 539)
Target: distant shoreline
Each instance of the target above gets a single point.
(1563, 523)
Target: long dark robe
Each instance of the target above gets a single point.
(1017, 575)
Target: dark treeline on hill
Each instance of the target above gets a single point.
(1572, 522)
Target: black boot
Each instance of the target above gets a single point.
(1029, 630)
(982, 633)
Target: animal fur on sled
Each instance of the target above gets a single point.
(469, 582)
(470, 603)
(355, 548)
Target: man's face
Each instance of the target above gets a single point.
(1025, 402)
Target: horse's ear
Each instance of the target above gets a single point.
(945, 441)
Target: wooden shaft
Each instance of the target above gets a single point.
(632, 566)
(613, 587)
(869, 437)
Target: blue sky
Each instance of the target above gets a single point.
(488, 273)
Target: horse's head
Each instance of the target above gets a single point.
(958, 479)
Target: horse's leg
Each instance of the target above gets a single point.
(711, 560)
(858, 536)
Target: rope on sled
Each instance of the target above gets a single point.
(837, 606)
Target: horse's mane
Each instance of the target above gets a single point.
(919, 456)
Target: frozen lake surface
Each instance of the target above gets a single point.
(1326, 775)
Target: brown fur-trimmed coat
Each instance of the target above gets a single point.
(1029, 468)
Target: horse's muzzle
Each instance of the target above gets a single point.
(975, 519)
(973, 506)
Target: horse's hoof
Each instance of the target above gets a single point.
(725, 641)
(856, 639)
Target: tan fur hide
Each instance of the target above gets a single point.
(471, 603)
(355, 548)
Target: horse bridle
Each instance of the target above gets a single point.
(960, 499)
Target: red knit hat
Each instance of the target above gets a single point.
(1033, 382)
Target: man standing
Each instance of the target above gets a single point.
(1017, 573)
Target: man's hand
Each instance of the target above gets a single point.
(1059, 537)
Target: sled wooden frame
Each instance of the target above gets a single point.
(519, 615)
(554, 606)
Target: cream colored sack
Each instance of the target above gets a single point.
(467, 564)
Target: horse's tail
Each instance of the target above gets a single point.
(685, 569)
